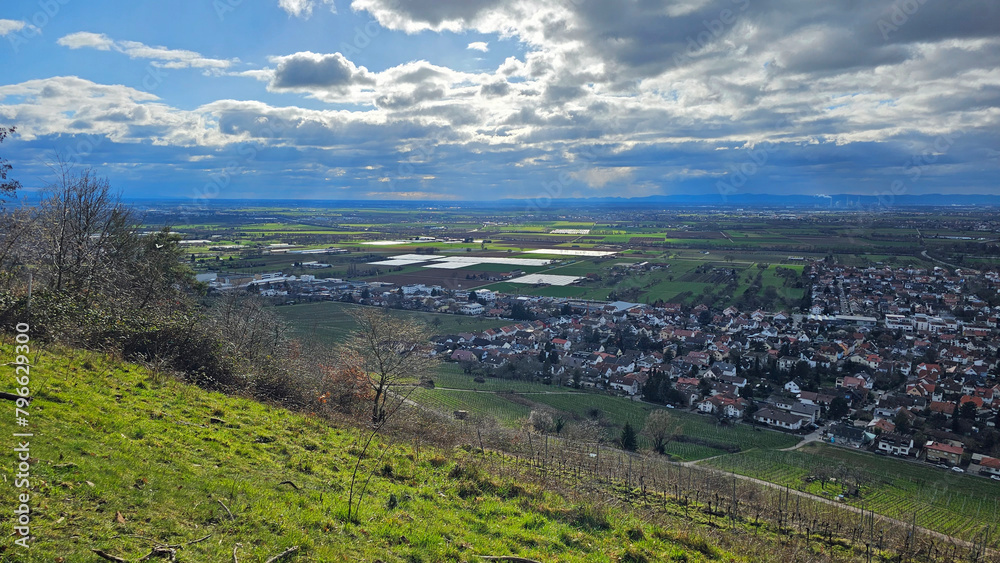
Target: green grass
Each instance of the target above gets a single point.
(950, 503)
(330, 321)
(450, 375)
(123, 458)
(510, 402)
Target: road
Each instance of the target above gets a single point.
(952, 266)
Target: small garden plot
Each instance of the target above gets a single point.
(550, 279)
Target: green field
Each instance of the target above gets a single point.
(950, 503)
(330, 322)
(510, 402)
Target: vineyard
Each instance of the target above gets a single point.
(953, 504)
(724, 500)
(487, 405)
(509, 402)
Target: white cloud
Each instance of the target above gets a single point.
(304, 8)
(12, 26)
(621, 95)
(308, 70)
(87, 39)
(162, 57)
(600, 177)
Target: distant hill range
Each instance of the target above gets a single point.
(840, 201)
(833, 202)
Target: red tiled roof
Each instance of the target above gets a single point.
(946, 448)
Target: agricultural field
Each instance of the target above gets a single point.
(510, 402)
(330, 322)
(944, 501)
(690, 251)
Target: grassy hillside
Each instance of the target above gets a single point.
(123, 459)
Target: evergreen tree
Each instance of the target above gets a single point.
(629, 439)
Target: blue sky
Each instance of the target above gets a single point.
(452, 99)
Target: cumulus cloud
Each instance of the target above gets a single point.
(83, 39)
(304, 8)
(13, 26)
(436, 15)
(314, 70)
(161, 56)
(633, 96)
(601, 177)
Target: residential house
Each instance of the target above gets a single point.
(779, 419)
(806, 411)
(936, 452)
(986, 465)
(895, 444)
(848, 435)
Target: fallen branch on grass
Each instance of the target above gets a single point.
(167, 552)
(159, 550)
(510, 558)
(108, 556)
(231, 517)
(294, 486)
(288, 551)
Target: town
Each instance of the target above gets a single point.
(901, 361)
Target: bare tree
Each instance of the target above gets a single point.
(15, 226)
(392, 352)
(392, 355)
(82, 231)
(248, 327)
(7, 187)
(660, 429)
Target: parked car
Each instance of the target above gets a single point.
(958, 470)
(995, 477)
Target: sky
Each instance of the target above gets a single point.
(490, 99)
